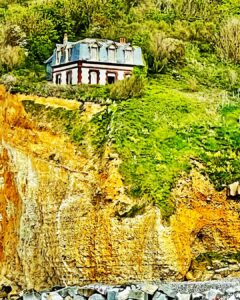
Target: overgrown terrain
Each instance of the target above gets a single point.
(182, 110)
(161, 136)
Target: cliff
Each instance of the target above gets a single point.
(66, 216)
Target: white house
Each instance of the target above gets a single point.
(92, 61)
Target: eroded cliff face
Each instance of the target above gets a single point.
(63, 213)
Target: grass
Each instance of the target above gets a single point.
(158, 135)
(59, 120)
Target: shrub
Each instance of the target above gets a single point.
(228, 46)
(164, 51)
(132, 87)
(8, 80)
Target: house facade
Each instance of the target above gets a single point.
(92, 61)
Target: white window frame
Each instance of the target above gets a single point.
(58, 57)
(128, 55)
(69, 51)
(112, 50)
(94, 52)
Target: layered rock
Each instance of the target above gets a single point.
(64, 220)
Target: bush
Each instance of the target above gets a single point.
(132, 87)
(165, 51)
(228, 46)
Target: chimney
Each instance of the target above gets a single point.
(122, 40)
(65, 38)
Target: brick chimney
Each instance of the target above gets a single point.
(65, 38)
(122, 40)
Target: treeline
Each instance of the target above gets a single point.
(167, 30)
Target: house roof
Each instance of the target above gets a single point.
(81, 50)
(91, 41)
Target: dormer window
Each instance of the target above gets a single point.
(128, 55)
(94, 52)
(69, 55)
(112, 54)
(58, 57)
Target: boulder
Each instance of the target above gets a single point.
(159, 296)
(111, 295)
(136, 295)
(237, 295)
(72, 291)
(97, 297)
(212, 294)
(86, 292)
(232, 298)
(197, 296)
(54, 296)
(44, 296)
(148, 288)
(183, 296)
(169, 292)
(124, 294)
(31, 296)
(233, 290)
(63, 292)
(78, 297)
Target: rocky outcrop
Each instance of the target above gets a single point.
(65, 217)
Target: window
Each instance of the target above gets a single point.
(69, 54)
(93, 77)
(128, 56)
(112, 54)
(94, 52)
(111, 77)
(58, 78)
(69, 77)
(58, 57)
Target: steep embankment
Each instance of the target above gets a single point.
(67, 216)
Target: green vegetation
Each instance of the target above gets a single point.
(160, 135)
(186, 109)
(210, 256)
(58, 119)
(172, 33)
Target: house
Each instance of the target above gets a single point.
(92, 61)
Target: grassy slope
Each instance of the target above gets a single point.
(160, 135)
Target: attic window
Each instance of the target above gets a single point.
(94, 52)
(128, 56)
(58, 57)
(112, 54)
(69, 54)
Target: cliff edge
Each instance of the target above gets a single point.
(66, 217)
